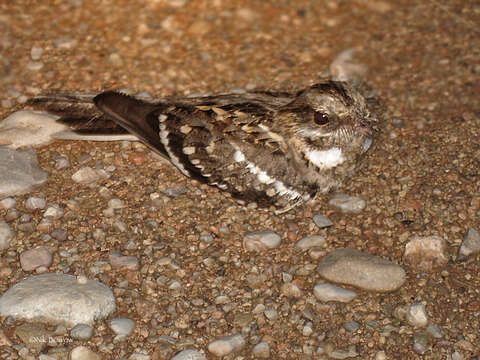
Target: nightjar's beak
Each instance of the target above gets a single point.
(366, 144)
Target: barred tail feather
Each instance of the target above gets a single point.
(107, 116)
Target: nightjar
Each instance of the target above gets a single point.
(268, 147)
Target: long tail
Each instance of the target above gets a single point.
(109, 113)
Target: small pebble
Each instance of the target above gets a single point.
(351, 326)
(83, 353)
(53, 212)
(271, 314)
(291, 290)
(261, 241)
(36, 53)
(328, 292)
(434, 331)
(347, 204)
(6, 235)
(35, 65)
(227, 345)
(116, 60)
(417, 315)
(174, 192)
(8, 203)
(87, 175)
(189, 355)
(34, 203)
(420, 343)
(59, 234)
(35, 258)
(261, 350)
(65, 42)
(321, 221)
(426, 253)
(61, 162)
(310, 241)
(81, 332)
(122, 326)
(117, 260)
(116, 203)
(470, 245)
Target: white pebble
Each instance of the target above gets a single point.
(310, 241)
(54, 212)
(6, 235)
(417, 315)
(8, 203)
(122, 326)
(189, 355)
(328, 292)
(34, 203)
(83, 353)
(261, 240)
(261, 350)
(36, 52)
(227, 345)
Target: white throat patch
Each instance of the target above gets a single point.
(325, 159)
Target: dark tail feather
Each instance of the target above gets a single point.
(133, 115)
(109, 113)
(78, 111)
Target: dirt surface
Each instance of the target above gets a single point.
(423, 60)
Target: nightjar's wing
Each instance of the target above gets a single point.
(222, 140)
(228, 146)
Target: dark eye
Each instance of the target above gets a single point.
(321, 118)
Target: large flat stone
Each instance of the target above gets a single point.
(58, 299)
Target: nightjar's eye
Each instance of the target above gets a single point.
(321, 119)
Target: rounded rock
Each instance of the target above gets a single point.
(261, 350)
(83, 353)
(261, 240)
(417, 315)
(189, 355)
(426, 252)
(122, 326)
(6, 235)
(321, 221)
(227, 345)
(53, 212)
(365, 271)
(81, 332)
(310, 241)
(35, 258)
(328, 292)
(347, 204)
(8, 203)
(34, 203)
(58, 299)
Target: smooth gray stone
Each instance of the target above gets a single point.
(58, 299)
(19, 172)
(365, 271)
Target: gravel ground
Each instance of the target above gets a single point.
(423, 60)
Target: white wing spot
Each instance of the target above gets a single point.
(185, 129)
(264, 178)
(189, 150)
(238, 156)
(325, 159)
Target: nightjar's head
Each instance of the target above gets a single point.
(329, 125)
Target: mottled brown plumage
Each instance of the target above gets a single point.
(272, 148)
